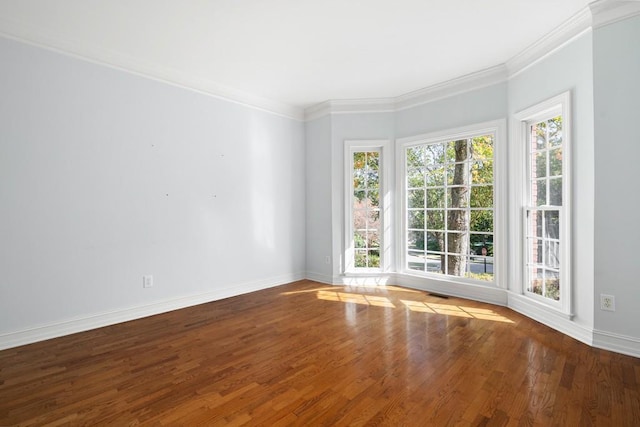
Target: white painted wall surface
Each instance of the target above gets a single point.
(318, 199)
(106, 176)
(617, 198)
(570, 68)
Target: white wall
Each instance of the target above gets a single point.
(106, 176)
(318, 199)
(570, 68)
(617, 198)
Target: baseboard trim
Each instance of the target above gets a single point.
(319, 277)
(99, 320)
(551, 318)
(615, 342)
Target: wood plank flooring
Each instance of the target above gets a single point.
(315, 355)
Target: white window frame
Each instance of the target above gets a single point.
(497, 128)
(386, 258)
(558, 105)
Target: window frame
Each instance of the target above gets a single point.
(559, 105)
(497, 129)
(382, 147)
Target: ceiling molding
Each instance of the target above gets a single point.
(568, 31)
(467, 83)
(24, 33)
(350, 106)
(607, 12)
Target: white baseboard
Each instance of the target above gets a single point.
(553, 319)
(487, 294)
(319, 277)
(72, 326)
(616, 342)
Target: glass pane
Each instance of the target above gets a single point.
(458, 197)
(373, 239)
(359, 160)
(434, 154)
(482, 197)
(535, 224)
(435, 198)
(360, 258)
(373, 160)
(434, 263)
(415, 199)
(535, 250)
(373, 219)
(373, 199)
(457, 220)
(536, 279)
(435, 220)
(481, 244)
(435, 242)
(480, 268)
(459, 173)
(415, 219)
(457, 243)
(552, 285)
(415, 178)
(539, 192)
(360, 239)
(415, 157)
(415, 260)
(555, 131)
(434, 176)
(374, 259)
(482, 147)
(555, 188)
(539, 164)
(552, 254)
(482, 172)
(555, 162)
(359, 198)
(415, 240)
(539, 136)
(552, 224)
(359, 219)
(482, 221)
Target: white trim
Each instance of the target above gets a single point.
(382, 146)
(498, 129)
(99, 320)
(77, 49)
(488, 294)
(557, 105)
(607, 12)
(550, 317)
(319, 277)
(615, 342)
(562, 35)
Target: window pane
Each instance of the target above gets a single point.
(555, 188)
(459, 173)
(373, 199)
(535, 250)
(415, 157)
(435, 241)
(373, 239)
(482, 221)
(555, 162)
(480, 242)
(435, 220)
(552, 224)
(415, 178)
(536, 280)
(416, 219)
(374, 259)
(480, 268)
(434, 176)
(539, 164)
(555, 131)
(415, 240)
(434, 263)
(539, 136)
(539, 192)
(535, 224)
(360, 258)
(359, 196)
(458, 197)
(482, 197)
(482, 172)
(415, 260)
(435, 198)
(482, 147)
(360, 239)
(415, 199)
(552, 285)
(457, 220)
(457, 243)
(434, 154)
(552, 254)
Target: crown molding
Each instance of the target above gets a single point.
(565, 33)
(21, 32)
(607, 12)
(429, 94)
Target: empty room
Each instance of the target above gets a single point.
(224, 212)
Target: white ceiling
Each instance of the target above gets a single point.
(295, 52)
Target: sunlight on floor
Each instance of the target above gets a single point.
(416, 306)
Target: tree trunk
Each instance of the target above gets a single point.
(458, 220)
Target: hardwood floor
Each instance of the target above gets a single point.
(310, 354)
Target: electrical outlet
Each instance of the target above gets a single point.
(147, 281)
(607, 302)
